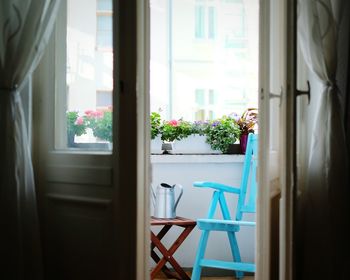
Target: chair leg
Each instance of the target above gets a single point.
(197, 269)
(235, 252)
(231, 235)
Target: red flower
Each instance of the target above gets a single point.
(173, 123)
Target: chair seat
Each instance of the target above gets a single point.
(222, 225)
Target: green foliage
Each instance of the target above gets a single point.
(222, 133)
(219, 133)
(76, 125)
(155, 124)
(200, 127)
(175, 130)
(101, 125)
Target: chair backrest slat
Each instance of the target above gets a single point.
(248, 182)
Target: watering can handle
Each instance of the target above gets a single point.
(178, 199)
(153, 197)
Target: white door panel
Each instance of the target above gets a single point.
(276, 138)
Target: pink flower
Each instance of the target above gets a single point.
(79, 121)
(88, 112)
(173, 123)
(97, 114)
(94, 114)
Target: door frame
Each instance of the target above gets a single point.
(131, 155)
(133, 85)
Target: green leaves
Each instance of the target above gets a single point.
(155, 124)
(175, 130)
(76, 125)
(222, 133)
(100, 122)
(102, 127)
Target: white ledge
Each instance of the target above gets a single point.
(196, 158)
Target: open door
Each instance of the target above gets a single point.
(277, 145)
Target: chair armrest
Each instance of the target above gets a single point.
(217, 186)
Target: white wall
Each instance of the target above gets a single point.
(184, 170)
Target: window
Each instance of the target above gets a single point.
(204, 57)
(206, 105)
(88, 70)
(104, 38)
(235, 34)
(103, 99)
(200, 20)
(211, 22)
(205, 21)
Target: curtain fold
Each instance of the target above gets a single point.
(25, 28)
(323, 213)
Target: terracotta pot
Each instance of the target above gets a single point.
(243, 142)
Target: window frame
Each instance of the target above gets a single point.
(60, 90)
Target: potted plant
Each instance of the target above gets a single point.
(76, 125)
(101, 123)
(174, 130)
(196, 143)
(222, 133)
(156, 124)
(247, 123)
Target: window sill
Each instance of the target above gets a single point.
(196, 158)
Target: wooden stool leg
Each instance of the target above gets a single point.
(161, 263)
(173, 249)
(165, 269)
(167, 254)
(161, 234)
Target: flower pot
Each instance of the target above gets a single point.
(168, 147)
(156, 145)
(234, 149)
(243, 142)
(194, 144)
(70, 140)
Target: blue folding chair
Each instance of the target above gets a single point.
(246, 204)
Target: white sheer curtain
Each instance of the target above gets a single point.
(25, 27)
(323, 208)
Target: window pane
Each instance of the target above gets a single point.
(212, 97)
(211, 77)
(211, 22)
(103, 99)
(104, 31)
(104, 5)
(199, 22)
(104, 23)
(200, 98)
(89, 69)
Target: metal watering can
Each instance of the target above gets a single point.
(164, 201)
